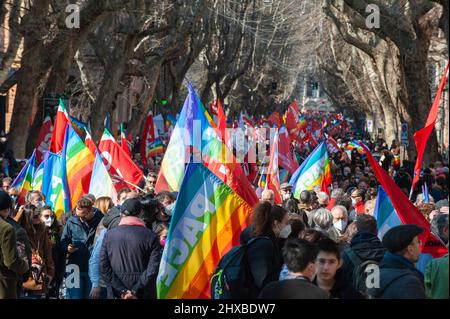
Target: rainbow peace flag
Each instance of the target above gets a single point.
(154, 148)
(54, 184)
(37, 178)
(354, 145)
(206, 223)
(25, 178)
(79, 164)
(314, 171)
(302, 123)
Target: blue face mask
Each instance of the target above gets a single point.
(169, 209)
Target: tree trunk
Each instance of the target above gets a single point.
(139, 113)
(114, 70)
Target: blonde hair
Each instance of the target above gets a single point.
(103, 204)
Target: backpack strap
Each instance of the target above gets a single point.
(355, 259)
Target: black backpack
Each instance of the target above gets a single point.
(359, 272)
(233, 278)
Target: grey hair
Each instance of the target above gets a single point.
(342, 208)
(335, 193)
(420, 198)
(322, 197)
(323, 218)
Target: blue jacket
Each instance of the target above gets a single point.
(399, 279)
(94, 262)
(130, 258)
(82, 236)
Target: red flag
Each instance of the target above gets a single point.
(293, 120)
(90, 143)
(287, 158)
(148, 136)
(407, 212)
(118, 162)
(275, 119)
(422, 135)
(44, 139)
(222, 123)
(59, 130)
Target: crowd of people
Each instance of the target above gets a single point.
(315, 246)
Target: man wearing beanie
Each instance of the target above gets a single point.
(130, 256)
(12, 267)
(399, 278)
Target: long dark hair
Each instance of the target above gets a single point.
(263, 217)
(34, 231)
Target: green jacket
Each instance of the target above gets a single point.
(436, 278)
(11, 265)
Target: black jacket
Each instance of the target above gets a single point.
(367, 246)
(343, 288)
(293, 289)
(265, 260)
(82, 236)
(399, 279)
(130, 258)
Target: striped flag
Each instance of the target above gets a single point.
(206, 146)
(59, 129)
(24, 180)
(79, 163)
(101, 183)
(385, 213)
(314, 171)
(90, 143)
(54, 184)
(36, 185)
(123, 141)
(407, 213)
(354, 145)
(207, 221)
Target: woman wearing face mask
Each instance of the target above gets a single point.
(269, 225)
(54, 231)
(42, 266)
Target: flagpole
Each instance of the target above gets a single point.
(129, 183)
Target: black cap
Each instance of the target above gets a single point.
(398, 238)
(131, 207)
(5, 200)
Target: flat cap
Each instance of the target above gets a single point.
(399, 237)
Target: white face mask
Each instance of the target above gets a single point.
(286, 196)
(354, 202)
(340, 225)
(49, 221)
(285, 232)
